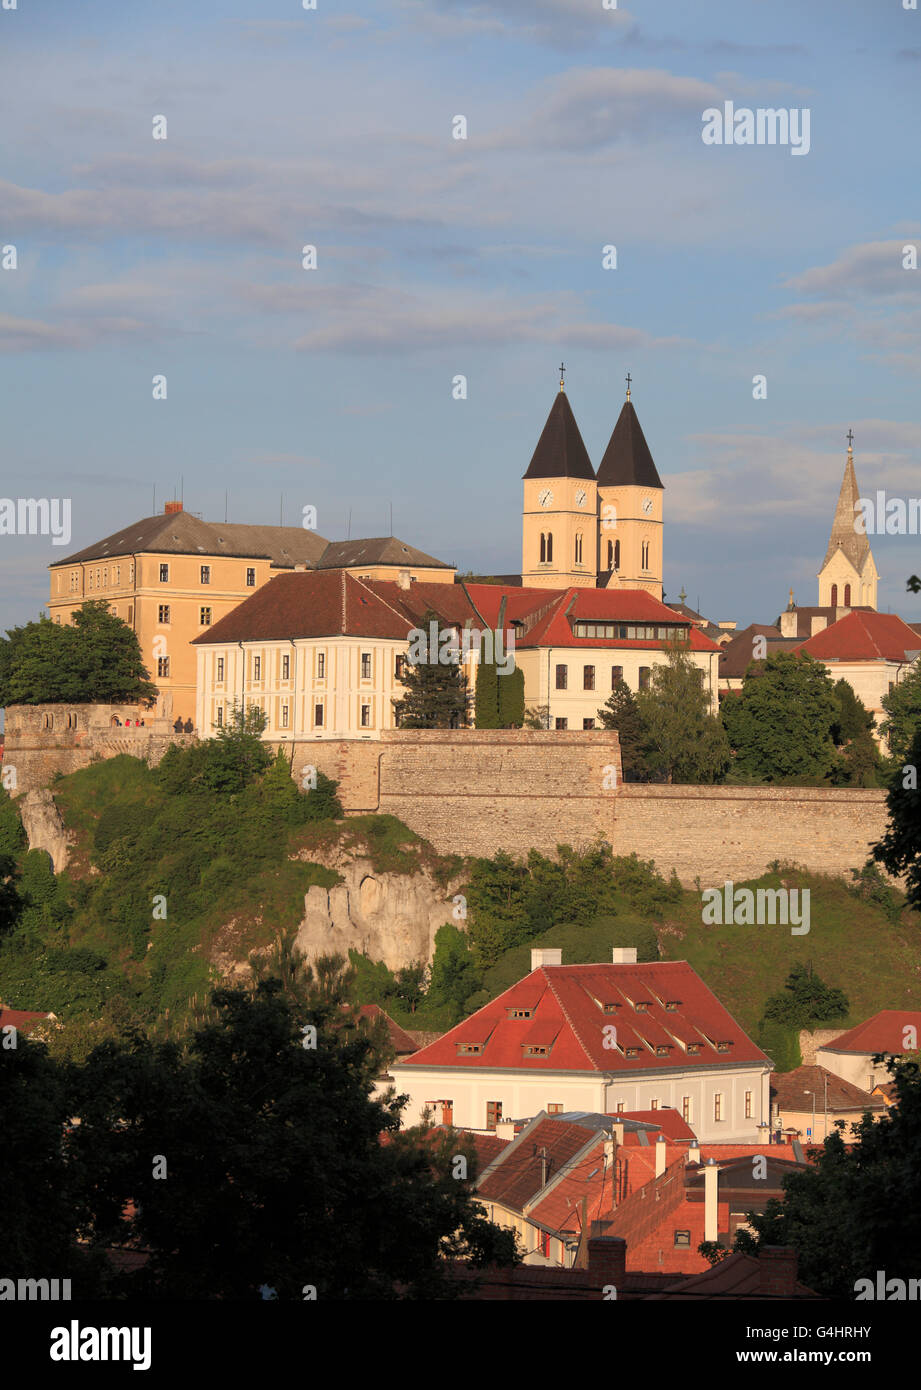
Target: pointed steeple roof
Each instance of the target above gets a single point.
(843, 535)
(560, 452)
(627, 460)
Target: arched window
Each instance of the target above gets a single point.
(549, 547)
(617, 555)
(834, 596)
(543, 547)
(610, 555)
(847, 595)
(578, 547)
(645, 560)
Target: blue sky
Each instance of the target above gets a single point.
(439, 257)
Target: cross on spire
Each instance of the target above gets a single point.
(562, 376)
(629, 379)
(850, 441)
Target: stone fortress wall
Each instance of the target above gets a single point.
(473, 791)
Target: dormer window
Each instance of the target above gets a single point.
(723, 1046)
(662, 1051)
(469, 1049)
(671, 1006)
(610, 1008)
(632, 1052)
(693, 1049)
(641, 1006)
(535, 1051)
(521, 1013)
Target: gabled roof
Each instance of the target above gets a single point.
(400, 1040)
(560, 452)
(580, 1001)
(794, 1090)
(853, 543)
(738, 654)
(736, 1277)
(627, 460)
(23, 1020)
(881, 1033)
(630, 606)
(543, 1150)
(864, 635)
(181, 533)
(309, 603)
(376, 550)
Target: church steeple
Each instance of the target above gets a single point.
(560, 452)
(630, 495)
(559, 535)
(848, 577)
(627, 459)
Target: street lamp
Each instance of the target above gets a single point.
(812, 1131)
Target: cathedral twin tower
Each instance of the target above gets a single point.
(587, 529)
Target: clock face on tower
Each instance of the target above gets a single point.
(580, 497)
(545, 498)
(647, 505)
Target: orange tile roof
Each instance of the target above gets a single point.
(881, 1033)
(863, 635)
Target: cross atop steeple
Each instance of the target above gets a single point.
(629, 379)
(850, 441)
(562, 376)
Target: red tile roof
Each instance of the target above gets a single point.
(737, 1277)
(309, 603)
(881, 1033)
(796, 1090)
(863, 636)
(539, 1152)
(400, 1039)
(554, 629)
(23, 1020)
(668, 1120)
(571, 1000)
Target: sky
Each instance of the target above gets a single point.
(439, 257)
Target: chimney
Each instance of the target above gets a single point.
(546, 955)
(661, 1146)
(624, 955)
(172, 507)
(404, 579)
(789, 624)
(617, 1129)
(607, 1259)
(694, 1151)
(299, 567)
(819, 624)
(776, 1271)
(727, 627)
(711, 1199)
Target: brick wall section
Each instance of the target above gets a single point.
(78, 736)
(473, 791)
(720, 833)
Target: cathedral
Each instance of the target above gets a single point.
(592, 530)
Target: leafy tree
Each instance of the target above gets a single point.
(281, 1169)
(455, 976)
(487, 695)
(621, 712)
(511, 698)
(903, 714)
(537, 717)
(861, 764)
(10, 901)
(853, 717)
(12, 834)
(97, 659)
(685, 741)
(435, 692)
(857, 1208)
(236, 754)
(781, 1043)
(806, 1001)
(899, 851)
(780, 723)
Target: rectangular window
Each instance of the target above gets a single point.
(318, 716)
(162, 665)
(131, 612)
(748, 1105)
(366, 716)
(718, 1106)
(588, 678)
(555, 1108)
(653, 1105)
(220, 668)
(105, 577)
(588, 723)
(621, 1107)
(220, 716)
(285, 668)
(284, 716)
(163, 613)
(682, 1240)
(399, 667)
(561, 677)
(562, 723)
(257, 668)
(206, 574)
(321, 665)
(164, 574)
(493, 1113)
(617, 674)
(686, 1109)
(644, 677)
(366, 666)
(204, 617)
(250, 579)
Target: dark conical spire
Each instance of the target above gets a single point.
(560, 452)
(627, 460)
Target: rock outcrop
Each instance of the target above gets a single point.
(44, 828)
(387, 916)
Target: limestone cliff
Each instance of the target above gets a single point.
(44, 828)
(387, 916)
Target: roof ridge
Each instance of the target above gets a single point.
(565, 1014)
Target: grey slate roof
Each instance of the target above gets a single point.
(181, 533)
(378, 550)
